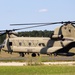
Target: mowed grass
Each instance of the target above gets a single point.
(37, 70)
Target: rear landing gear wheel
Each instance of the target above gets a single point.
(21, 54)
(33, 54)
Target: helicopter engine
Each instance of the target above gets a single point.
(54, 36)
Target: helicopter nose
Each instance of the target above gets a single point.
(1, 46)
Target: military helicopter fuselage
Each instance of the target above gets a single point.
(60, 42)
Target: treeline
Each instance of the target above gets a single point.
(2, 38)
(44, 33)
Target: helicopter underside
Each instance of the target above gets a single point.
(64, 51)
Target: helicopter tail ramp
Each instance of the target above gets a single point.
(61, 50)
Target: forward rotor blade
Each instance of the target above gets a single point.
(27, 24)
(32, 26)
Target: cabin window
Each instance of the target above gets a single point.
(29, 44)
(10, 43)
(41, 44)
(20, 44)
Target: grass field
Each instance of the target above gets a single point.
(38, 70)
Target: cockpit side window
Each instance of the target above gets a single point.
(4, 41)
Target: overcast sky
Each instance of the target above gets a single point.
(29, 11)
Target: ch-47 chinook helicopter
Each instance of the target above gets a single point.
(59, 43)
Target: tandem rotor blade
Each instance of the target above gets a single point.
(40, 24)
(43, 23)
(32, 27)
(27, 24)
(35, 25)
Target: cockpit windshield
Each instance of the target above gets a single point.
(4, 41)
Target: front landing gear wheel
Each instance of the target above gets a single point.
(50, 54)
(33, 54)
(55, 54)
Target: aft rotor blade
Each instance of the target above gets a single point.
(43, 23)
(36, 23)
